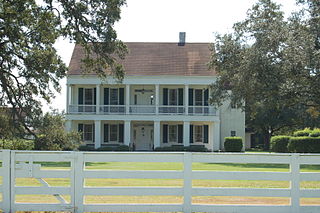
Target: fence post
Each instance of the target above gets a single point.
(6, 196)
(78, 182)
(187, 184)
(295, 183)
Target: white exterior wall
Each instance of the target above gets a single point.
(220, 125)
(231, 120)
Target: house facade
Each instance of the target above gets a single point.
(162, 101)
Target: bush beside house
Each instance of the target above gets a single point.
(302, 141)
(233, 144)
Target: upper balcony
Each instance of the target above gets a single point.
(139, 100)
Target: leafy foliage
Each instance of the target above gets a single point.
(301, 133)
(30, 68)
(304, 144)
(233, 144)
(16, 144)
(280, 143)
(270, 67)
(52, 135)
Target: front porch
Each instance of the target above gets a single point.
(147, 135)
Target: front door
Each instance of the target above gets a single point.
(143, 138)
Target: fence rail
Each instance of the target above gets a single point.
(27, 164)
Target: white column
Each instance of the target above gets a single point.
(186, 98)
(68, 99)
(127, 98)
(157, 98)
(215, 135)
(156, 134)
(97, 134)
(98, 99)
(186, 133)
(127, 133)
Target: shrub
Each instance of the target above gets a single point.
(16, 144)
(301, 133)
(86, 148)
(304, 144)
(109, 148)
(315, 133)
(233, 144)
(280, 143)
(196, 148)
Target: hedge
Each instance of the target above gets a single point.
(16, 144)
(233, 144)
(304, 144)
(181, 148)
(280, 143)
(315, 133)
(301, 133)
(116, 148)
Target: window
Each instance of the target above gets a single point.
(88, 132)
(173, 97)
(114, 133)
(173, 133)
(114, 97)
(198, 97)
(88, 96)
(233, 133)
(198, 134)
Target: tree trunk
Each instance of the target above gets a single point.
(267, 137)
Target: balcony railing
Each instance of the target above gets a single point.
(113, 109)
(171, 110)
(143, 110)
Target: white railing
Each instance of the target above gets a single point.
(26, 164)
(202, 110)
(171, 109)
(79, 109)
(113, 109)
(142, 109)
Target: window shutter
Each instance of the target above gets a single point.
(121, 96)
(191, 133)
(205, 133)
(190, 97)
(93, 132)
(165, 96)
(106, 96)
(206, 97)
(180, 133)
(106, 132)
(121, 132)
(165, 133)
(180, 96)
(94, 96)
(80, 96)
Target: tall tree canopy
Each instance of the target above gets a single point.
(269, 66)
(30, 68)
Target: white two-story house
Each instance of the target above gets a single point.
(162, 101)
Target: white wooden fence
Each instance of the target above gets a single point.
(24, 164)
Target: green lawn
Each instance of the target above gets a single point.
(171, 183)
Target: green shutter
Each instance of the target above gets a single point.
(80, 96)
(190, 97)
(180, 97)
(165, 96)
(94, 96)
(121, 133)
(191, 134)
(165, 133)
(180, 133)
(121, 96)
(205, 133)
(206, 97)
(106, 96)
(106, 133)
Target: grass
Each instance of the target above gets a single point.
(92, 182)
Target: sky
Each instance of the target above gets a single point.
(162, 20)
